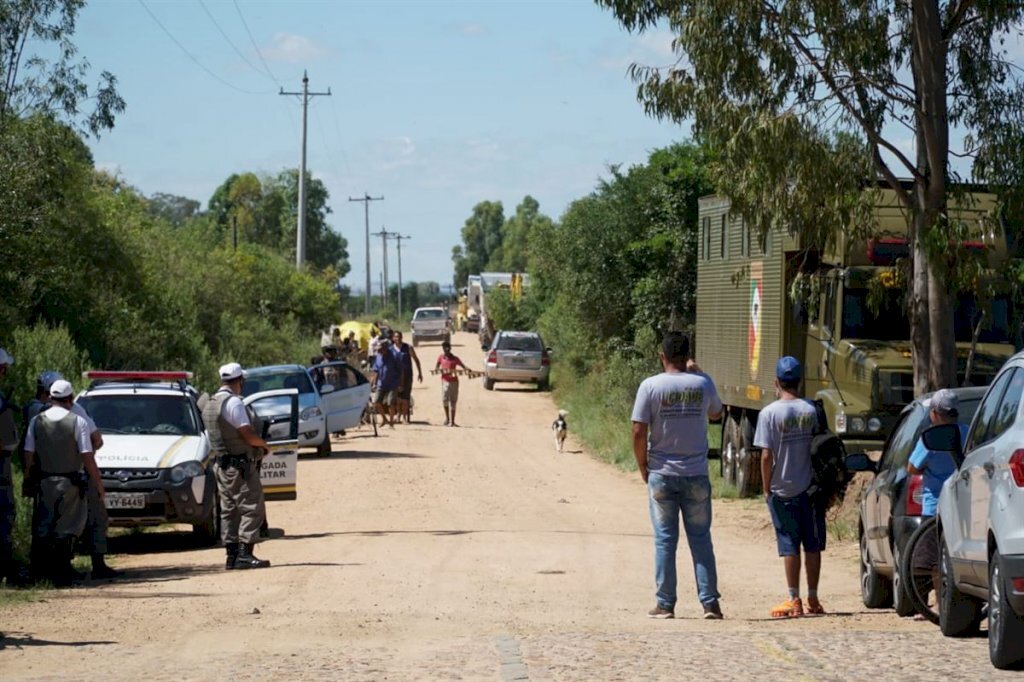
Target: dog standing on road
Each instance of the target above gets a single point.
(560, 429)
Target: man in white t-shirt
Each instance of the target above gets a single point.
(238, 451)
(59, 439)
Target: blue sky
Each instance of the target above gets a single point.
(435, 105)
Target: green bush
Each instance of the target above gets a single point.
(37, 349)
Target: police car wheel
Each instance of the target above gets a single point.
(324, 448)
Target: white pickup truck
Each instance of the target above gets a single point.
(430, 324)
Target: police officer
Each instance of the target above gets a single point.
(8, 445)
(60, 440)
(235, 445)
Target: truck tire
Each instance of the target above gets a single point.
(730, 449)
(748, 463)
(207, 534)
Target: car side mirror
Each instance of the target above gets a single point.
(944, 438)
(327, 388)
(859, 461)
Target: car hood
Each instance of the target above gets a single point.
(149, 451)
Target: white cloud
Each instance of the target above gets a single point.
(652, 48)
(472, 29)
(293, 49)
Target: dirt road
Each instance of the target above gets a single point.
(473, 553)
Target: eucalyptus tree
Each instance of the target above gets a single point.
(804, 100)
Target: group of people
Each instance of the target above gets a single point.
(670, 417)
(62, 481)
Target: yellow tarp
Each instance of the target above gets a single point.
(364, 332)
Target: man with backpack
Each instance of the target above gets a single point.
(785, 431)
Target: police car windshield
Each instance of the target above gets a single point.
(257, 382)
(169, 415)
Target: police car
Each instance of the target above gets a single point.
(156, 463)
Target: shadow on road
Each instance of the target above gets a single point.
(21, 640)
(313, 563)
(165, 574)
(158, 542)
(368, 454)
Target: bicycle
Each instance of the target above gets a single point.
(918, 570)
(369, 416)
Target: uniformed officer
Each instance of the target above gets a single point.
(8, 445)
(236, 445)
(60, 440)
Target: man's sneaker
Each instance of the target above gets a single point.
(712, 611)
(659, 612)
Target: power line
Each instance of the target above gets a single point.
(253, 41)
(229, 42)
(192, 57)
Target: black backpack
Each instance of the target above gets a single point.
(829, 476)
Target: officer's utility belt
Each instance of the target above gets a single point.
(233, 461)
(79, 478)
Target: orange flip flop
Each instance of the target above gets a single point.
(791, 608)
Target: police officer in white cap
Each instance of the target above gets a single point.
(60, 439)
(8, 445)
(234, 443)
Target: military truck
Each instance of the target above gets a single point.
(840, 313)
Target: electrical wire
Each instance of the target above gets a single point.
(193, 58)
(229, 42)
(254, 45)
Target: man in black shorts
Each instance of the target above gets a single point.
(406, 356)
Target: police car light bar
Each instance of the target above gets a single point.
(113, 375)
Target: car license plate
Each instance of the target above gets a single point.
(518, 361)
(125, 501)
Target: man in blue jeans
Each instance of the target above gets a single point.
(670, 444)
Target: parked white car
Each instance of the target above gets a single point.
(981, 524)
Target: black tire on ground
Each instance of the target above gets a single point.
(415, 341)
(488, 384)
(324, 448)
(959, 614)
(901, 601)
(1005, 627)
(730, 448)
(875, 589)
(748, 473)
(543, 385)
(207, 534)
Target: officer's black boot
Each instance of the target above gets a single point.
(64, 574)
(232, 555)
(247, 560)
(100, 570)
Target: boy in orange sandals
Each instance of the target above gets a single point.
(784, 433)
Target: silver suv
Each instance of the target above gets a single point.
(981, 524)
(519, 357)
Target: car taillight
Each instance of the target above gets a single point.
(1018, 585)
(492, 357)
(915, 493)
(544, 359)
(1016, 465)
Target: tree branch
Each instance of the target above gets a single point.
(956, 18)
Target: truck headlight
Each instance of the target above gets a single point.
(857, 424)
(310, 413)
(874, 425)
(186, 471)
(840, 422)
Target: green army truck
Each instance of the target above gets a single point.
(758, 300)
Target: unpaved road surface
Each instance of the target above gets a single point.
(471, 553)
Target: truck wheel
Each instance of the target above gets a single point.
(875, 590)
(730, 449)
(1005, 627)
(748, 463)
(324, 448)
(207, 534)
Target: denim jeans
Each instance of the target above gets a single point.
(689, 496)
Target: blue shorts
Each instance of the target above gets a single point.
(797, 522)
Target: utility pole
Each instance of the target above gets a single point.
(383, 234)
(398, 238)
(300, 237)
(366, 199)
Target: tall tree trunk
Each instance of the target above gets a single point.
(920, 329)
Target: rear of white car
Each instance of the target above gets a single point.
(518, 357)
(981, 519)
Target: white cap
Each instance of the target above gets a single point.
(6, 358)
(61, 389)
(231, 371)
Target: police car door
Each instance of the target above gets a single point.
(343, 395)
(277, 422)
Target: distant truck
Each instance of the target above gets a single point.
(430, 324)
(856, 355)
(515, 282)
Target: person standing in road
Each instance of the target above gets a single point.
(934, 468)
(406, 356)
(8, 446)
(670, 417)
(449, 364)
(60, 439)
(387, 378)
(784, 433)
(233, 442)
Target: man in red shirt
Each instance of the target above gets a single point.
(448, 364)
